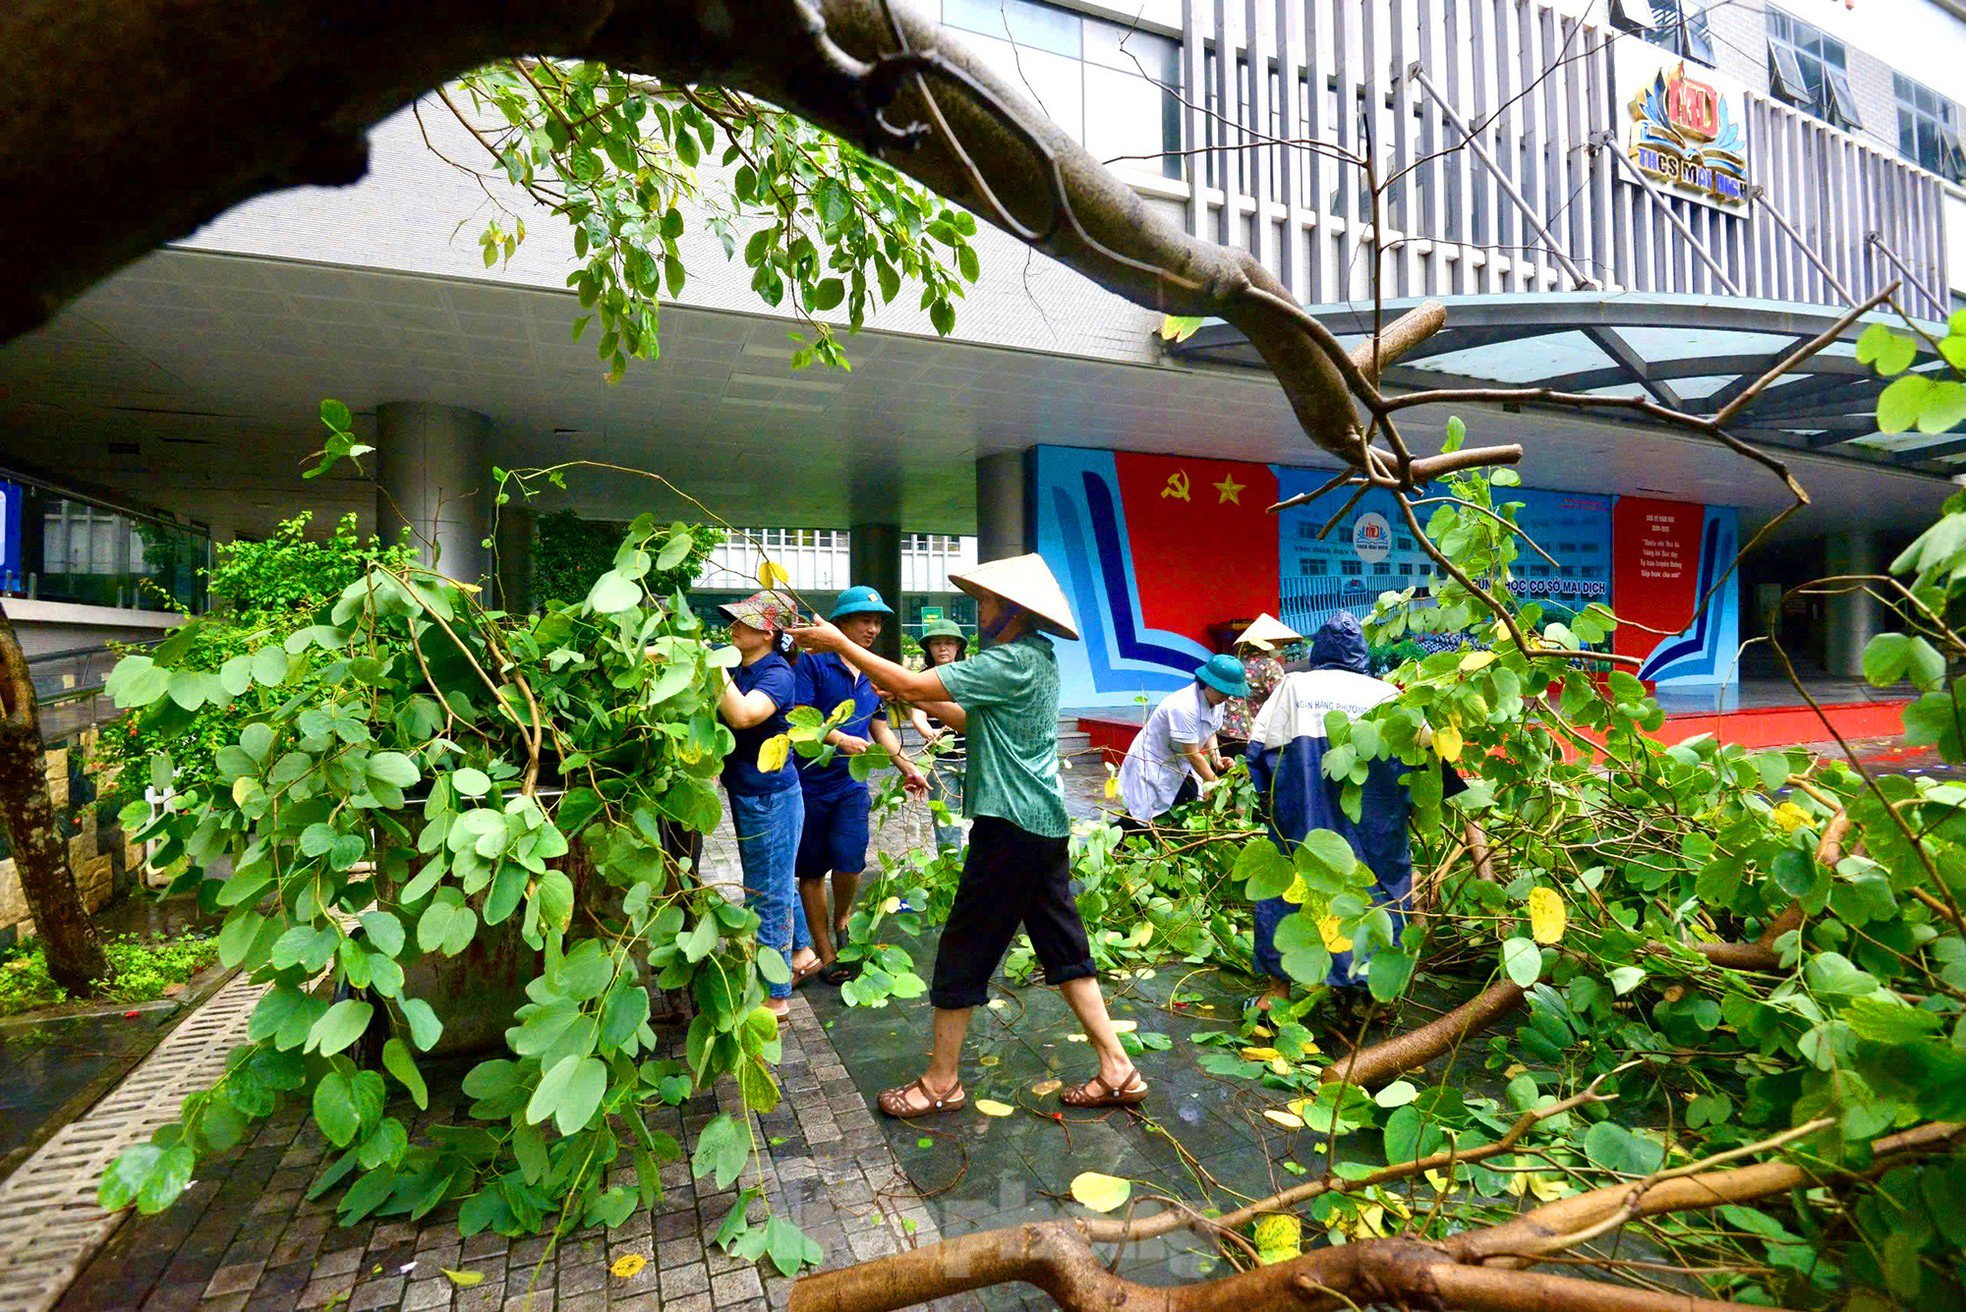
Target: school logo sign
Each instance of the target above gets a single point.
(1688, 128)
(1372, 537)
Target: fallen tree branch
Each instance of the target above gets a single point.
(1415, 1048)
(1476, 1269)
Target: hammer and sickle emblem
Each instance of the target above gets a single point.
(1177, 485)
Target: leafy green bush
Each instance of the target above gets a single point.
(260, 591)
(145, 970)
(444, 775)
(569, 553)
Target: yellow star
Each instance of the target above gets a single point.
(1230, 489)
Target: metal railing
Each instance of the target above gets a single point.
(1497, 125)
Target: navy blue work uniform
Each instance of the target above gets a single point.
(837, 804)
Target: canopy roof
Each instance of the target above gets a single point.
(1688, 352)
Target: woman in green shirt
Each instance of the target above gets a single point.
(1018, 866)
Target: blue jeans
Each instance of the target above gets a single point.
(767, 826)
(945, 785)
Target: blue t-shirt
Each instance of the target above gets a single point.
(824, 681)
(770, 674)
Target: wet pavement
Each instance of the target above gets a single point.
(54, 1063)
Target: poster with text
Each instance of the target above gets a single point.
(1666, 558)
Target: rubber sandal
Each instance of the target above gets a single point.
(894, 1102)
(801, 974)
(839, 972)
(1130, 1094)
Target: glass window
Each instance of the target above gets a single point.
(1928, 128)
(91, 555)
(1678, 25)
(1809, 70)
(1028, 24)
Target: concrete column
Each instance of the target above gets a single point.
(514, 539)
(1851, 616)
(431, 463)
(1000, 527)
(874, 558)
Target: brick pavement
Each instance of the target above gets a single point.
(243, 1236)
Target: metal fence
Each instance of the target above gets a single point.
(1495, 124)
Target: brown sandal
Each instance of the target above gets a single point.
(894, 1102)
(1131, 1093)
(800, 974)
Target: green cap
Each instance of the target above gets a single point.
(944, 629)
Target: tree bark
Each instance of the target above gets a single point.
(243, 97)
(68, 937)
(1415, 1048)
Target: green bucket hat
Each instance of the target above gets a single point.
(945, 629)
(1224, 674)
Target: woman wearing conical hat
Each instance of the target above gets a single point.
(1017, 870)
(1257, 647)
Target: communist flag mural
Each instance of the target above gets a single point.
(1151, 550)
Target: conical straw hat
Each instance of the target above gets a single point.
(1027, 583)
(1268, 631)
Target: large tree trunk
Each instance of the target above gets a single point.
(68, 937)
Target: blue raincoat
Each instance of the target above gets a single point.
(1291, 778)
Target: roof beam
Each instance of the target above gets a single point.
(1635, 366)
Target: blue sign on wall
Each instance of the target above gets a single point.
(13, 570)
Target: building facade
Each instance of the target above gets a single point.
(1612, 196)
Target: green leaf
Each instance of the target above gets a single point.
(394, 768)
(125, 1176)
(334, 1109)
(721, 1151)
(613, 593)
(1523, 960)
(396, 1059)
(1615, 1148)
(1266, 871)
(383, 931)
(1886, 351)
(1900, 405)
(335, 415)
(1625, 978)
(1885, 659)
(470, 782)
(425, 1028)
(1327, 851)
(1943, 407)
(269, 666)
(341, 1026)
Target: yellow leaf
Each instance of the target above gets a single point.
(891, 906)
(1125, 1026)
(1288, 1120)
(991, 1060)
(242, 788)
(1112, 787)
(1075, 1038)
(1790, 817)
(773, 752)
(1547, 919)
(1260, 1054)
(627, 1264)
(1447, 741)
(1102, 1193)
(991, 1107)
(771, 574)
(1044, 1088)
(1475, 660)
(463, 1279)
(1278, 1239)
(1297, 892)
(1334, 940)
(1441, 1184)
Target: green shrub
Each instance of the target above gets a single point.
(569, 553)
(260, 592)
(145, 971)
